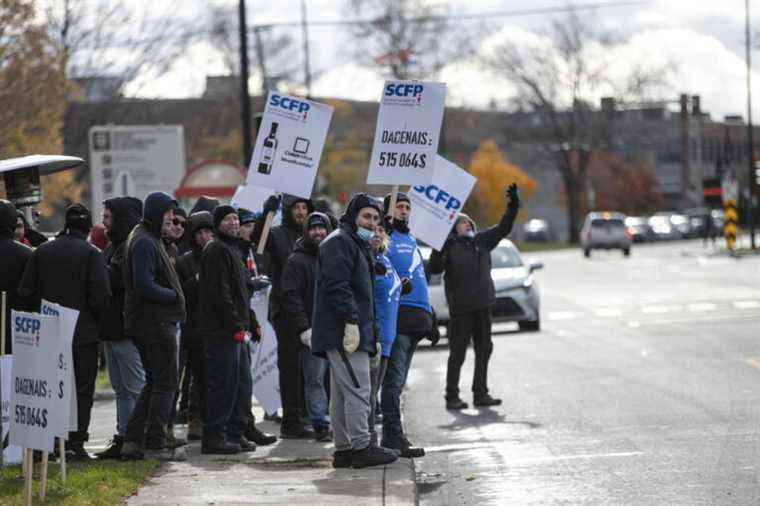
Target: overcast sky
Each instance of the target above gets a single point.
(704, 38)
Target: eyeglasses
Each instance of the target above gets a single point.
(181, 223)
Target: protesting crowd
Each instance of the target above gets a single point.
(168, 295)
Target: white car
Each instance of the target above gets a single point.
(605, 231)
(517, 295)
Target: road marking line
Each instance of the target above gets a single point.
(701, 306)
(753, 362)
(609, 312)
(562, 315)
(747, 304)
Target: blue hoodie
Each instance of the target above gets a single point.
(387, 296)
(406, 257)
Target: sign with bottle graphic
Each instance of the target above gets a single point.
(289, 144)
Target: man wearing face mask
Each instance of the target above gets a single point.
(466, 260)
(297, 291)
(344, 332)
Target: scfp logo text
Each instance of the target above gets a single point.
(403, 90)
(27, 325)
(439, 196)
(290, 104)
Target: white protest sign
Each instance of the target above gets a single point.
(252, 198)
(65, 365)
(435, 206)
(34, 379)
(407, 132)
(11, 454)
(264, 372)
(289, 144)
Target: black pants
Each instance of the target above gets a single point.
(462, 327)
(152, 413)
(85, 374)
(291, 383)
(228, 403)
(196, 368)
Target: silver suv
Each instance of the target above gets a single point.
(605, 231)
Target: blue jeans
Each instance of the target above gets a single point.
(394, 381)
(314, 369)
(127, 376)
(229, 388)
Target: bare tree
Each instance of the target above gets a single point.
(559, 79)
(408, 39)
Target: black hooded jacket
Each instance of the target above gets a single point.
(71, 272)
(280, 243)
(152, 291)
(188, 269)
(467, 266)
(298, 283)
(14, 257)
(126, 213)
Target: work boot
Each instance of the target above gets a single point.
(166, 454)
(322, 434)
(113, 451)
(486, 400)
(132, 451)
(219, 446)
(245, 445)
(253, 434)
(456, 404)
(296, 433)
(77, 453)
(194, 429)
(372, 456)
(401, 444)
(342, 459)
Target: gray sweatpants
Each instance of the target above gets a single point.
(349, 405)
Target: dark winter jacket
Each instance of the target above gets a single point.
(126, 213)
(344, 290)
(467, 266)
(13, 259)
(298, 285)
(34, 237)
(153, 294)
(71, 272)
(224, 296)
(279, 246)
(188, 270)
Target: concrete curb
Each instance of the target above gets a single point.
(399, 484)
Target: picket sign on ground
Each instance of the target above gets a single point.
(435, 206)
(264, 371)
(289, 144)
(34, 393)
(65, 365)
(407, 133)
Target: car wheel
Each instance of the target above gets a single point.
(587, 253)
(627, 252)
(533, 326)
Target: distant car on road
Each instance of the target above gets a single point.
(662, 228)
(605, 231)
(517, 296)
(640, 229)
(536, 230)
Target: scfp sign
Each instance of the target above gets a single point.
(440, 196)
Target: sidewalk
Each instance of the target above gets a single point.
(288, 472)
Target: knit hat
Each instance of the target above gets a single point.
(359, 202)
(318, 220)
(400, 197)
(200, 220)
(221, 212)
(78, 217)
(245, 216)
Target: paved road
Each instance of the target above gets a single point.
(642, 388)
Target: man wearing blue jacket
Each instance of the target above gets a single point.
(415, 322)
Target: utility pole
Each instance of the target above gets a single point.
(750, 142)
(262, 63)
(245, 99)
(306, 60)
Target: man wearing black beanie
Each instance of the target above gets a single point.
(71, 272)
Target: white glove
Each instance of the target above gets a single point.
(306, 337)
(351, 338)
(374, 362)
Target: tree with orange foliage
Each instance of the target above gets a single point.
(629, 187)
(494, 174)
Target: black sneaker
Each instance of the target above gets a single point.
(456, 404)
(486, 400)
(342, 459)
(219, 446)
(297, 433)
(245, 445)
(77, 453)
(322, 434)
(167, 454)
(401, 445)
(253, 434)
(132, 451)
(372, 456)
(113, 451)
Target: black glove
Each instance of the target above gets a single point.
(513, 198)
(259, 283)
(435, 332)
(272, 204)
(406, 286)
(380, 269)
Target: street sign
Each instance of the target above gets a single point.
(134, 161)
(711, 191)
(407, 133)
(289, 144)
(435, 206)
